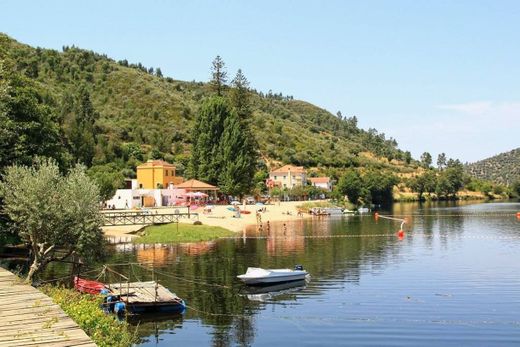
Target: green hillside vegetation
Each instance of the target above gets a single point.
(502, 168)
(141, 114)
(77, 105)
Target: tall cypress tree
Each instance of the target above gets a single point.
(206, 134)
(238, 157)
(223, 150)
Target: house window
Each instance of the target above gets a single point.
(284, 177)
(275, 178)
(140, 185)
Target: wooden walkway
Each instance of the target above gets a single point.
(139, 218)
(30, 318)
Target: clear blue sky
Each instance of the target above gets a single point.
(439, 76)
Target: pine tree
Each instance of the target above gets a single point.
(239, 95)
(218, 75)
(158, 72)
(426, 160)
(441, 161)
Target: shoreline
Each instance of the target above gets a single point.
(220, 216)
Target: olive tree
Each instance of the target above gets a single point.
(56, 215)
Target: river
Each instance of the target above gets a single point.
(452, 280)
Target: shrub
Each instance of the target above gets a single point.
(84, 309)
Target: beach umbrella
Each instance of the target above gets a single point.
(200, 195)
(259, 204)
(189, 194)
(235, 202)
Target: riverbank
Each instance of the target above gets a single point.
(104, 329)
(182, 232)
(221, 216)
(399, 196)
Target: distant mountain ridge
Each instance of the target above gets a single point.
(502, 168)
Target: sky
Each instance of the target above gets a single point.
(438, 76)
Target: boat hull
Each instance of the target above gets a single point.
(88, 286)
(166, 308)
(258, 276)
(270, 280)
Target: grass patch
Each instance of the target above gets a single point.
(169, 233)
(103, 329)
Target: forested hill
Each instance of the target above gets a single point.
(138, 114)
(502, 168)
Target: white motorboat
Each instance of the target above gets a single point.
(256, 276)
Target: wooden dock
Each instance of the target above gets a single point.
(30, 318)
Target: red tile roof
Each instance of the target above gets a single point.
(195, 185)
(319, 179)
(287, 168)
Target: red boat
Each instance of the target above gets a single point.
(88, 286)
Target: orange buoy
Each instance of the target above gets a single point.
(400, 233)
(376, 216)
(518, 215)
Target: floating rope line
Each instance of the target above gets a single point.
(456, 215)
(65, 277)
(187, 280)
(362, 236)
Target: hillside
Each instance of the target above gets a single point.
(140, 111)
(502, 168)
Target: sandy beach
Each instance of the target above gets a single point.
(221, 216)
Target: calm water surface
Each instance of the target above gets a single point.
(452, 281)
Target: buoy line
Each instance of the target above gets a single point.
(360, 236)
(455, 215)
(186, 280)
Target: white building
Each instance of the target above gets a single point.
(321, 182)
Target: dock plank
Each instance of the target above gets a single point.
(30, 318)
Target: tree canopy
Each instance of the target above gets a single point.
(27, 125)
(223, 148)
(57, 215)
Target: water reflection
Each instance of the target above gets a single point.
(366, 283)
(273, 291)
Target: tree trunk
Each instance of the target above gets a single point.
(33, 270)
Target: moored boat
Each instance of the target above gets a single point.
(133, 297)
(259, 276)
(88, 286)
(141, 297)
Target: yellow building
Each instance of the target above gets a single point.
(288, 176)
(156, 174)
